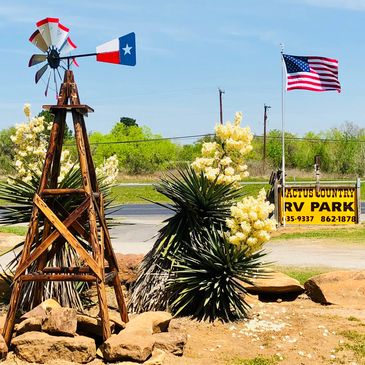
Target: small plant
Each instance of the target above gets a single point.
(208, 281)
(255, 361)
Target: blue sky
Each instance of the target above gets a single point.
(186, 50)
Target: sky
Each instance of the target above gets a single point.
(187, 49)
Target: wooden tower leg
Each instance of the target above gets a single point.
(112, 261)
(13, 306)
(59, 130)
(94, 242)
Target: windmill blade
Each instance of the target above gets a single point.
(48, 28)
(61, 36)
(121, 51)
(46, 92)
(68, 46)
(37, 58)
(40, 73)
(37, 39)
(55, 81)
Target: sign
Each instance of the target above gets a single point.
(324, 205)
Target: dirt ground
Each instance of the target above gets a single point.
(300, 332)
(288, 333)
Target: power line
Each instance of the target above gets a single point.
(212, 135)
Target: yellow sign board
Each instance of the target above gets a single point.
(326, 205)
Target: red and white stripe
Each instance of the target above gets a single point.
(323, 76)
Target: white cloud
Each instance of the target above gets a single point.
(357, 5)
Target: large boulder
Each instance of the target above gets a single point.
(170, 342)
(275, 283)
(61, 321)
(39, 347)
(128, 346)
(150, 322)
(345, 288)
(42, 309)
(29, 325)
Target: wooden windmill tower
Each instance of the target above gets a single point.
(63, 226)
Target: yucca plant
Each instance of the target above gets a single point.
(207, 282)
(18, 197)
(196, 203)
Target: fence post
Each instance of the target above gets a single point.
(358, 198)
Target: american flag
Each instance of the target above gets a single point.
(311, 73)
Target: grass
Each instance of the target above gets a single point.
(255, 361)
(356, 344)
(18, 230)
(302, 274)
(136, 194)
(354, 234)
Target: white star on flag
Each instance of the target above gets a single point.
(127, 49)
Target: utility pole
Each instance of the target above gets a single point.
(220, 104)
(266, 107)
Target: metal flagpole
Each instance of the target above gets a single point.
(283, 133)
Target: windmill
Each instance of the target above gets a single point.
(52, 38)
(83, 227)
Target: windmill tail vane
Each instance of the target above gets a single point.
(52, 38)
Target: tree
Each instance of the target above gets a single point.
(128, 122)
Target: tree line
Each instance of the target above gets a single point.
(139, 150)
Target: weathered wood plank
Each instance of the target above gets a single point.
(69, 237)
(57, 277)
(28, 260)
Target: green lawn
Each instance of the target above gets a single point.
(354, 234)
(19, 230)
(136, 194)
(301, 274)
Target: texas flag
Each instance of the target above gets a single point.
(120, 51)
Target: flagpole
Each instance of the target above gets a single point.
(283, 133)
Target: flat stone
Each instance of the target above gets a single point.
(275, 283)
(172, 342)
(127, 346)
(29, 325)
(91, 326)
(61, 321)
(345, 288)
(42, 309)
(40, 347)
(150, 322)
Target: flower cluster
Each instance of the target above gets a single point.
(224, 159)
(109, 170)
(249, 224)
(30, 144)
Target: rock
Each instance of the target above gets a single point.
(128, 267)
(275, 283)
(346, 288)
(175, 325)
(61, 321)
(2, 322)
(42, 309)
(88, 325)
(29, 325)
(170, 342)
(150, 322)
(127, 346)
(39, 347)
(157, 358)
(3, 348)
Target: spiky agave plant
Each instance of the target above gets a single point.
(208, 281)
(18, 197)
(196, 203)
